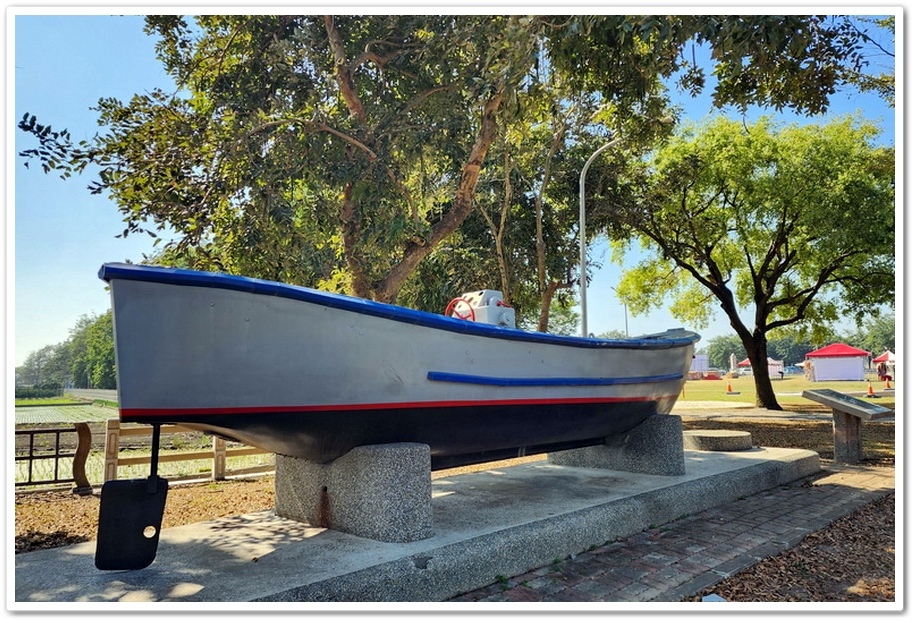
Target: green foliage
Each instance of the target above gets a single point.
(788, 350)
(795, 223)
(85, 359)
(880, 81)
(876, 335)
(721, 348)
(44, 390)
(47, 366)
(767, 218)
(794, 61)
(100, 359)
(342, 151)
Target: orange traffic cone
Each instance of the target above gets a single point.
(728, 389)
(871, 391)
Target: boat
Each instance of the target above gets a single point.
(310, 374)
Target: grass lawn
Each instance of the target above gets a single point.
(50, 402)
(788, 391)
(63, 414)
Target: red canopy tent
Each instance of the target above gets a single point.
(838, 350)
(885, 357)
(838, 362)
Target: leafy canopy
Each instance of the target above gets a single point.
(769, 218)
(344, 151)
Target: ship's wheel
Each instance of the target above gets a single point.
(460, 307)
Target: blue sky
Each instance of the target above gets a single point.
(63, 234)
(59, 67)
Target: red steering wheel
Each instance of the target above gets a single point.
(452, 308)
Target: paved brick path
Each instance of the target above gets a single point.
(680, 559)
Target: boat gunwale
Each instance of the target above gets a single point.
(673, 338)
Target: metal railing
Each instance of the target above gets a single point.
(54, 453)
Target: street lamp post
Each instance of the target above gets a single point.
(582, 245)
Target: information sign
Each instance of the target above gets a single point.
(847, 404)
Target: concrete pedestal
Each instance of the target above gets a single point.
(381, 492)
(654, 447)
(847, 437)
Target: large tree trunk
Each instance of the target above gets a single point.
(547, 292)
(387, 289)
(756, 347)
(350, 229)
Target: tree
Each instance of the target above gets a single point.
(328, 150)
(91, 348)
(876, 335)
(720, 350)
(784, 61)
(100, 353)
(42, 367)
(342, 151)
(788, 349)
(85, 359)
(795, 223)
(881, 81)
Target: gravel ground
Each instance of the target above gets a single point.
(821, 568)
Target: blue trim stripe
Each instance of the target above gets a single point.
(675, 338)
(450, 377)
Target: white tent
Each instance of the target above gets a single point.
(700, 363)
(773, 367)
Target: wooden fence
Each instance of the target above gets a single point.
(219, 453)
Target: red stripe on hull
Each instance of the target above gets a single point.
(139, 412)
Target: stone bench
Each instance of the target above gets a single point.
(717, 440)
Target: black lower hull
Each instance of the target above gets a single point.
(456, 436)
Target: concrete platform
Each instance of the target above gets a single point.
(498, 523)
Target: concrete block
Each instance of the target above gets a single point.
(654, 447)
(716, 440)
(381, 492)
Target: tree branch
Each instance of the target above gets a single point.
(461, 206)
(343, 71)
